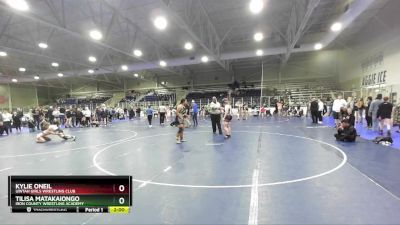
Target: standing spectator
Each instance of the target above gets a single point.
(337, 105)
(62, 115)
(138, 110)
(320, 110)
(368, 117)
(360, 110)
(373, 111)
(7, 119)
(161, 111)
(79, 116)
(87, 114)
(195, 112)
(314, 110)
(131, 113)
(49, 115)
(149, 113)
(215, 113)
(36, 117)
(384, 115)
(68, 114)
(56, 115)
(16, 117)
(2, 128)
(73, 116)
(180, 120)
(227, 118)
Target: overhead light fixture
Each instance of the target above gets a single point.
(96, 35)
(259, 52)
(258, 36)
(163, 63)
(90, 71)
(20, 5)
(204, 59)
(136, 75)
(54, 64)
(22, 69)
(124, 67)
(336, 27)
(36, 77)
(14, 80)
(92, 59)
(256, 6)
(162, 82)
(3, 54)
(43, 45)
(318, 46)
(160, 22)
(60, 75)
(137, 52)
(188, 46)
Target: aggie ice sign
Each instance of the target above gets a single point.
(374, 79)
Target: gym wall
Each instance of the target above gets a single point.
(371, 65)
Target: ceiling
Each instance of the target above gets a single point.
(216, 28)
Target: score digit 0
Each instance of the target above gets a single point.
(121, 200)
(121, 188)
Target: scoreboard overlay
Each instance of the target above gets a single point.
(70, 194)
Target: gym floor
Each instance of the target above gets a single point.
(272, 171)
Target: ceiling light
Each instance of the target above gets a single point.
(318, 46)
(259, 52)
(336, 27)
(60, 75)
(14, 80)
(90, 71)
(96, 35)
(160, 23)
(54, 64)
(18, 5)
(163, 63)
(188, 46)
(3, 53)
(124, 67)
(43, 45)
(136, 75)
(162, 82)
(92, 59)
(256, 6)
(137, 52)
(204, 59)
(258, 36)
(22, 69)
(36, 77)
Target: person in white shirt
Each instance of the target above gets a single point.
(162, 110)
(337, 105)
(88, 115)
(227, 118)
(320, 110)
(215, 113)
(7, 118)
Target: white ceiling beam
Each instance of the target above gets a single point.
(299, 17)
(200, 28)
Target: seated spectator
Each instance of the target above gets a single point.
(346, 132)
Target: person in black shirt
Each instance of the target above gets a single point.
(368, 117)
(314, 110)
(384, 115)
(346, 132)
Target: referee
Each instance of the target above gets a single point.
(215, 113)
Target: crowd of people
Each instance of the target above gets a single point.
(377, 114)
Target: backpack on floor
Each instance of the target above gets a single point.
(381, 140)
